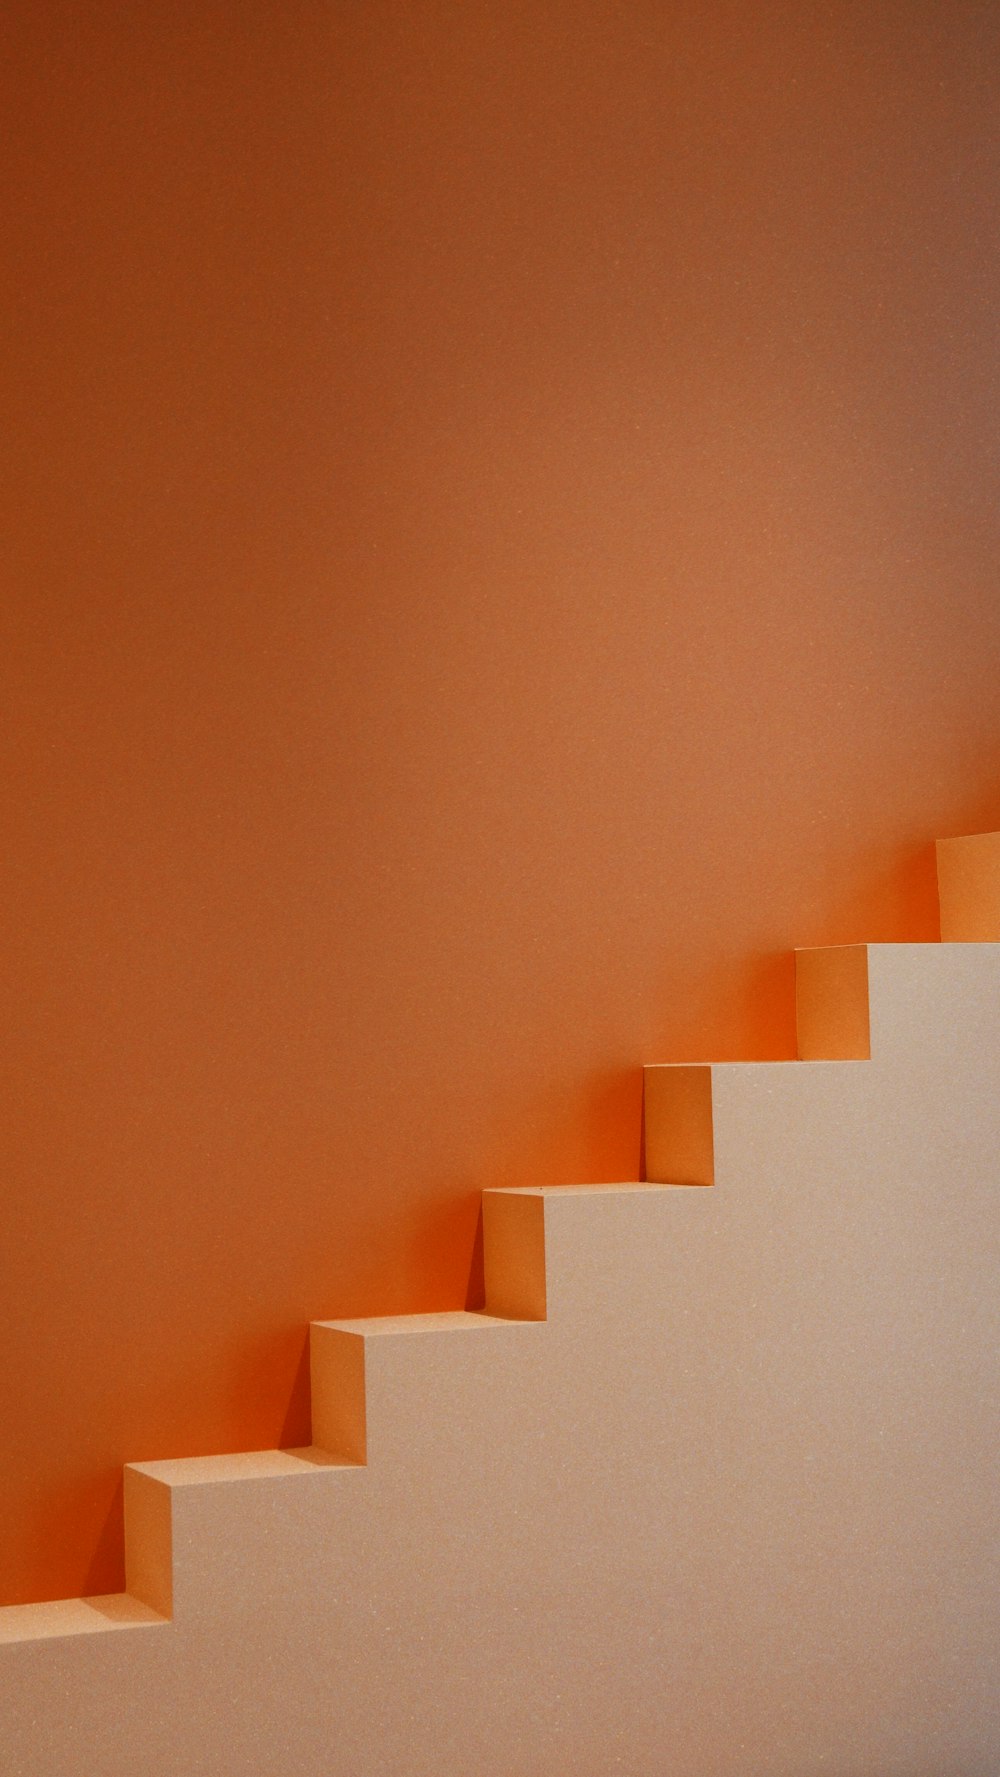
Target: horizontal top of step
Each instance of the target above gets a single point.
(246, 1465)
(450, 1321)
(75, 1616)
(573, 1190)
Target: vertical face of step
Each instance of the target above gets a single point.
(831, 1003)
(514, 1254)
(338, 1382)
(677, 1109)
(149, 1540)
(968, 871)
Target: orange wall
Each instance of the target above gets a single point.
(500, 544)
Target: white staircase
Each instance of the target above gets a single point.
(709, 1489)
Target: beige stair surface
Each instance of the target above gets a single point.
(710, 1489)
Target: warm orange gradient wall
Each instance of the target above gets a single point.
(500, 542)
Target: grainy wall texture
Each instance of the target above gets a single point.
(499, 544)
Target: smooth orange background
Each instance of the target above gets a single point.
(500, 540)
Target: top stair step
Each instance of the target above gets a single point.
(968, 871)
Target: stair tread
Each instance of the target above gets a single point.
(456, 1320)
(244, 1465)
(75, 1616)
(613, 1190)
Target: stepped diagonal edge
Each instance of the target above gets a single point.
(710, 1486)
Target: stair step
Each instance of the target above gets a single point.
(248, 1465)
(76, 1616)
(968, 871)
(832, 1014)
(411, 1325)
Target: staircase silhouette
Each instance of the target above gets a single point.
(709, 1486)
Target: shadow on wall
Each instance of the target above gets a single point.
(107, 1552)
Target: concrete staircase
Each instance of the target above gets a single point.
(710, 1487)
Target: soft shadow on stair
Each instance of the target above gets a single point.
(110, 1546)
